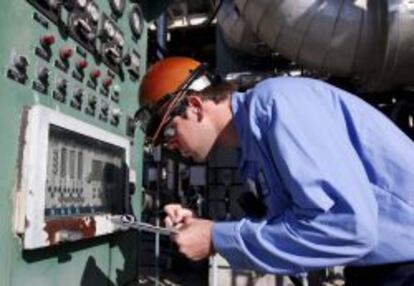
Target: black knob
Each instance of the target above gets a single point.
(20, 62)
(62, 84)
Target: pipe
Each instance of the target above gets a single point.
(236, 33)
(368, 40)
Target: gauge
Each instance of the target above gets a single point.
(81, 3)
(119, 39)
(135, 20)
(109, 28)
(117, 6)
(93, 12)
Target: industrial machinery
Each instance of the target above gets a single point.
(70, 159)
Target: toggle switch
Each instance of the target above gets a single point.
(20, 62)
(116, 113)
(95, 73)
(47, 40)
(61, 85)
(81, 64)
(65, 53)
(77, 99)
(116, 93)
(43, 75)
(107, 82)
(92, 102)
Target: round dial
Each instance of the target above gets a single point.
(93, 11)
(81, 3)
(135, 20)
(117, 6)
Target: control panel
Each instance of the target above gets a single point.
(80, 181)
(76, 76)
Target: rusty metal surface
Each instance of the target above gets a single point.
(85, 225)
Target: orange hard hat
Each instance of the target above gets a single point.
(163, 87)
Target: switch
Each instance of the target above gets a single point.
(81, 64)
(95, 73)
(43, 75)
(78, 94)
(47, 40)
(82, 26)
(77, 99)
(91, 107)
(42, 83)
(20, 62)
(61, 85)
(17, 69)
(113, 54)
(104, 111)
(107, 82)
(116, 93)
(60, 93)
(132, 63)
(116, 113)
(92, 102)
(65, 53)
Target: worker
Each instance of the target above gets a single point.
(336, 176)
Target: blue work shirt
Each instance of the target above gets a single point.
(338, 181)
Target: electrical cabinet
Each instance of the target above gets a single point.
(70, 159)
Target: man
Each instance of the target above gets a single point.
(335, 175)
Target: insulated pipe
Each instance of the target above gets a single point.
(370, 40)
(236, 33)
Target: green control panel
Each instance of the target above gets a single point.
(70, 157)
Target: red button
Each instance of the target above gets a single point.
(107, 82)
(81, 64)
(95, 74)
(47, 40)
(65, 53)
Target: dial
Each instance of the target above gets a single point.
(117, 6)
(135, 20)
(93, 11)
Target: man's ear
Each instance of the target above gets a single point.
(196, 105)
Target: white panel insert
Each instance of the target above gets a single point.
(74, 178)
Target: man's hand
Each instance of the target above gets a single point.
(194, 236)
(194, 239)
(177, 216)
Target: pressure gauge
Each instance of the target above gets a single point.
(93, 12)
(109, 28)
(81, 3)
(117, 6)
(119, 39)
(135, 20)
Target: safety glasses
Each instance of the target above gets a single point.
(153, 119)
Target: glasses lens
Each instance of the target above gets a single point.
(147, 121)
(142, 119)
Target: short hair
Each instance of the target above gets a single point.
(217, 92)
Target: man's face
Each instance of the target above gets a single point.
(192, 134)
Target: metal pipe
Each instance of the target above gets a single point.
(369, 40)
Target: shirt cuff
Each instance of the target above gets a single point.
(224, 238)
